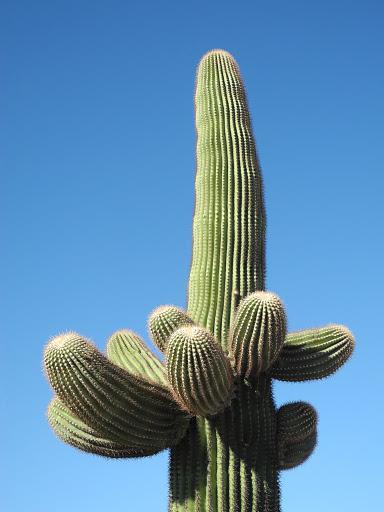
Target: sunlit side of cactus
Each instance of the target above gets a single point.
(211, 401)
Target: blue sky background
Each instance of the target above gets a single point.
(97, 157)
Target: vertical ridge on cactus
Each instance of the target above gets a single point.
(75, 432)
(258, 333)
(127, 350)
(228, 260)
(121, 406)
(164, 321)
(211, 403)
(313, 353)
(296, 433)
(199, 373)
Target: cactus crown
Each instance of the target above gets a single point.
(211, 401)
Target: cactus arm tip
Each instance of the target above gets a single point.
(128, 351)
(314, 353)
(71, 430)
(121, 406)
(199, 372)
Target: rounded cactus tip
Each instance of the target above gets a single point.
(343, 329)
(212, 55)
(296, 433)
(199, 373)
(348, 337)
(217, 51)
(267, 298)
(187, 332)
(258, 333)
(63, 345)
(164, 321)
(193, 335)
(267, 301)
(62, 340)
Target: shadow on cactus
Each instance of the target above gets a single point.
(211, 403)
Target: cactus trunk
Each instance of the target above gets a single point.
(228, 462)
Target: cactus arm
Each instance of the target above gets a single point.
(229, 462)
(70, 429)
(199, 373)
(123, 407)
(164, 321)
(313, 353)
(257, 334)
(128, 351)
(296, 433)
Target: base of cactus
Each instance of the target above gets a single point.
(229, 463)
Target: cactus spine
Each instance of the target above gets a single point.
(212, 402)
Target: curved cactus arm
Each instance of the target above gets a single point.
(296, 433)
(199, 373)
(70, 429)
(314, 353)
(127, 350)
(163, 322)
(122, 407)
(257, 334)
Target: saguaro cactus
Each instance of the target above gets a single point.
(211, 401)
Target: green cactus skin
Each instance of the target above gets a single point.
(228, 258)
(236, 456)
(199, 373)
(258, 333)
(127, 350)
(70, 429)
(121, 406)
(212, 402)
(231, 462)
(314, 353)
(296, 433)
(163, 322)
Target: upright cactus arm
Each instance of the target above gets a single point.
(257, 334)
(122, 407)
(70, 429)
(296, 433)
(164, 321)
(127, 350)
(199, 372)
(313, 353)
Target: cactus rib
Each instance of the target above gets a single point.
(199, 373)
(296, 433)
(163, 322)
(75, 432)
(127, 350)
(228, 260)
(313, 353)
(258, 333)
(121, 406)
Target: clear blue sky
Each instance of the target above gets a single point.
(97, 173)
